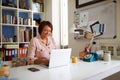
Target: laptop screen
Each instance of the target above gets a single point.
(59, 57)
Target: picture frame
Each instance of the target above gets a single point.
(83, 3)
(114, 48)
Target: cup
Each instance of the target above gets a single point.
(74, 59)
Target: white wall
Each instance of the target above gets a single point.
(48, 10)
(52, 14)
(78, 45)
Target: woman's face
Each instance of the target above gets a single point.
(46, 31)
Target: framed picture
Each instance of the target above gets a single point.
(83, 3)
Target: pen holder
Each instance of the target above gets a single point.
(5, 70)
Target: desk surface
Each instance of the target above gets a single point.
(75, 71)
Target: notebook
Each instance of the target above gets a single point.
(59, 57)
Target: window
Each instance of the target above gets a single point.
(64, 22)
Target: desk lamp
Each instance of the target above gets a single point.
(96, 31)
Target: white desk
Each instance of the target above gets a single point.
(78, 71)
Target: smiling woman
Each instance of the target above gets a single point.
(83, 3)
(41, 45)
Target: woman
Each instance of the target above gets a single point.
(41, 45)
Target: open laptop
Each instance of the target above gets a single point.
(59, 57)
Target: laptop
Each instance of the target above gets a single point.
(59, 57)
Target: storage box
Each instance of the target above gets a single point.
(36, 7)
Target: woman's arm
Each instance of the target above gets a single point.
(31, 52)
(42, 58)
(41, 61)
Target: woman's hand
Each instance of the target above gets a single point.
(41, 58)
(30, 61)
(41, 61)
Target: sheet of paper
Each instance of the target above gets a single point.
(77, 19)
(84, 19)
(84, 1)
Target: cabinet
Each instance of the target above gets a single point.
(17, 26)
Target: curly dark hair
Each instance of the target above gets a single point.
(43, 24)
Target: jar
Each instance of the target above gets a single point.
(107, 56)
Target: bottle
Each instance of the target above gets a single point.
(15, 38)
(1, 63)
